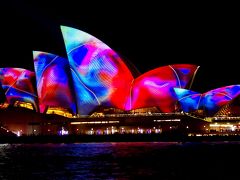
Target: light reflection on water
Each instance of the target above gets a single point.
(133, 160)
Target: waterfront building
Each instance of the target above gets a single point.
(94, 91)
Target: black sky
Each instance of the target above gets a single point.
(147, 34)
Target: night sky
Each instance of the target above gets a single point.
(148, 35)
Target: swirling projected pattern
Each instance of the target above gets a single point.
(155, 88)
(17, 84)
(54, 82)
(215, 99)
(189, 100)
(210, 102)
(96, 67)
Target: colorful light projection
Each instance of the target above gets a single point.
(215, 99)
(98, 68)
(189, 100)
(111, 83)
(210, 102)
(18, 85)
(155, 88)
(54, 82)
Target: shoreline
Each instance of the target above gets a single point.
(115, 138)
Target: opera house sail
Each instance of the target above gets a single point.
(54, 83)
(19, 87)
(98, 68)
(210, 102)
(155, 88)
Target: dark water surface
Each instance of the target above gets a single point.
(133, 160)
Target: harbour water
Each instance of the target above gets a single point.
(120, 160)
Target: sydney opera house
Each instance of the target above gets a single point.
(95, 91)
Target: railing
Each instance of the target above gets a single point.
(223, 118)
(196, 117)
(131, 115)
